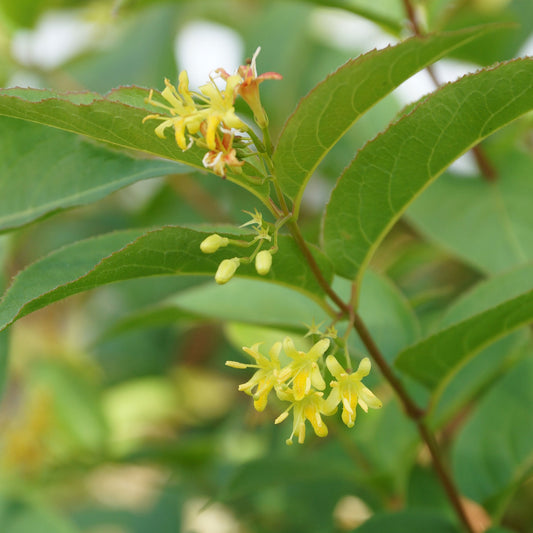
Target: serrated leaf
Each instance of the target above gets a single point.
(131, 254)
(478, 372)
(488, 462)
(390, 171)
(500, 211)
(44, 170)
(334, 105)
(435, 359)
(115, 118)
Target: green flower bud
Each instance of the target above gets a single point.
(226, 270)
(212, 243)
(263, 262)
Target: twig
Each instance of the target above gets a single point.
(413, 411)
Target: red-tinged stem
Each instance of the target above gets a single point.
(413, 411)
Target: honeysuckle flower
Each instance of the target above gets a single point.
(224, 155)
(220, 109)
(212, 243)
(226, 270)
(249, 88)
(309, 407)
(303, 369)
(265, 378)
(349, 390)
(263, 262)
(185, 115)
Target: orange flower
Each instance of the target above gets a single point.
(249, 87)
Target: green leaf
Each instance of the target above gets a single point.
(434, 360)
(76, 405)
(44, 170)
(390, 171)
(500, 211)
(489, 293)
(495, 448)
(414, 521)
(28, 514)
(248, 300)
(115, 119)
(333, 106)
(473, 379)
(388, 14)
(476, 375)
(131, 254)
(385, 312)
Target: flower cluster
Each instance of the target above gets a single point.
(301, 383)
(262, 257)
(207, 118)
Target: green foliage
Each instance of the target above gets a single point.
(45, 170)
(118, 411)
(334, 105)
(434, 359)
(501, 216)
(488, 464)
(134, 254)
(385, 177)
(119, 120)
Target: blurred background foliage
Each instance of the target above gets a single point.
(118, 415)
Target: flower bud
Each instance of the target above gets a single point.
(226, 270)
(263, 262)
(212, 243)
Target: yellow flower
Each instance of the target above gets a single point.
(303, 368)
(265, 378)
(224, 155)
(185, 115)
(220, 110)
(349, 390)
(309, 407)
